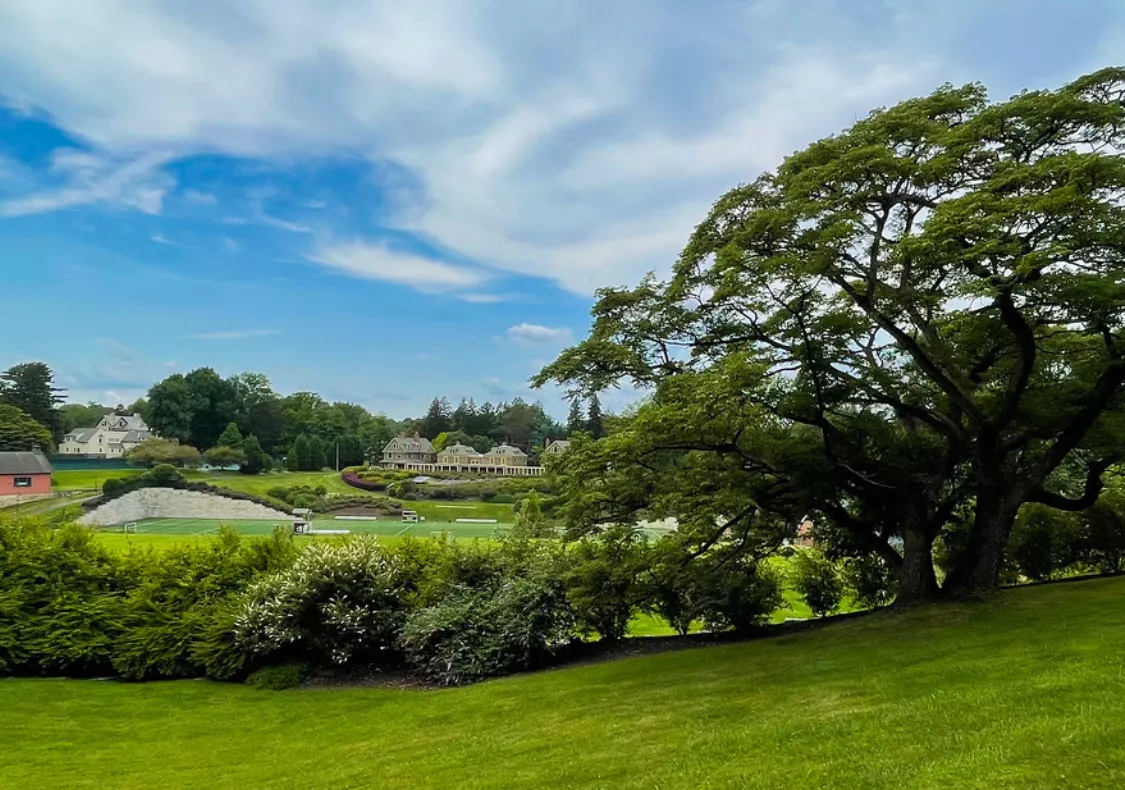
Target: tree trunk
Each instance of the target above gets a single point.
(977, 570)
(917, 582)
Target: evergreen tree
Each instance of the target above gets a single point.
(230, 437)
(293, 459)
(256, 459)
(305, 454)
(19, 432)
(438, 419)
(30, 388)
(575, 420)
(594, 424)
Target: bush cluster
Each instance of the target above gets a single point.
(450, 613)
(1048, 544)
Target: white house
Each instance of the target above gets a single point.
(558, 447)
(114, 436)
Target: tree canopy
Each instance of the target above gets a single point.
(925, 307)
(19, 432)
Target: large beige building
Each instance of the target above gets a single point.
(114, 436)
(419, 455)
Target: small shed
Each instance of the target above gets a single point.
(25, 474)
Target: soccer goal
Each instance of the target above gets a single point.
(130, 527)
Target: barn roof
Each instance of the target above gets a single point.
(24, 464)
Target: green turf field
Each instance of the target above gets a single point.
(1026, 692)
(201, 527)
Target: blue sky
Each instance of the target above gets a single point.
(383, 202)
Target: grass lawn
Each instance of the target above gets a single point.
(1024, 692)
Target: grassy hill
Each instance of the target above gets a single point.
(1027, 691)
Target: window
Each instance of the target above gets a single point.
(23, 482)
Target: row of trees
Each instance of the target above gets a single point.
(198, 408)
(908, 331)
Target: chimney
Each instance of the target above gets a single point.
(35, 448)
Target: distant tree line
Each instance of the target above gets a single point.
(241, 420)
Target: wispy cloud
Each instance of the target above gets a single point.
(199, 198)
(160, 238)
(375, 261)
(82, 178)
(244, 334)
(534, 334)
(483, 298)
(230, 245)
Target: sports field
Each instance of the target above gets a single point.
(201, 527)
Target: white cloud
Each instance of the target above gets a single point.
(160, 238)
(199, 198)
(484, 298)
(374, 261)
(135, 182)
(538, 335)
(581, 145)
(244, 334)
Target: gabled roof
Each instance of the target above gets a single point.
(505, 449)
(459, 449)
(410, 445)
(559, 444)
(81, 434)
(24, 464)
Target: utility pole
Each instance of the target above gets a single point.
(337, 455)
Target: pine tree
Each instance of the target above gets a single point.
(575, 420)
(594, 424)
(30, 388)
(230, 437)
(305, 453)
(293, 459)
(255, 457)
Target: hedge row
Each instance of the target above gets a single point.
(449, 613)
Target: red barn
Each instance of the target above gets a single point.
(25, 474)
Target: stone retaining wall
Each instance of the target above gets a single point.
(175, 503)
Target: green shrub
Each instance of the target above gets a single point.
(817, 580)
(180, 594)
(605, 583)
(1102, 543)
(869, 581)
(503, 499)
(278, 678)
(114, 487)
(60, 601)
(1043, 542)
(336, 604)
(736, 594)
(477, 633)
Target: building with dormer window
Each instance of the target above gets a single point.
(114, 436)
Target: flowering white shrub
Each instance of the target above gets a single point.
(337, 603)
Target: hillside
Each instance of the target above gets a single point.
(1027, 691)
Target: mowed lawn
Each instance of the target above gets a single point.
(1027, 691)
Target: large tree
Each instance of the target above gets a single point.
(946, 275)
(438, 419)
(170, 407)
(19, 432)
(214, 405)
(30, 388)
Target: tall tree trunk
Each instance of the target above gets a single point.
(977, 570)
(917, 581)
